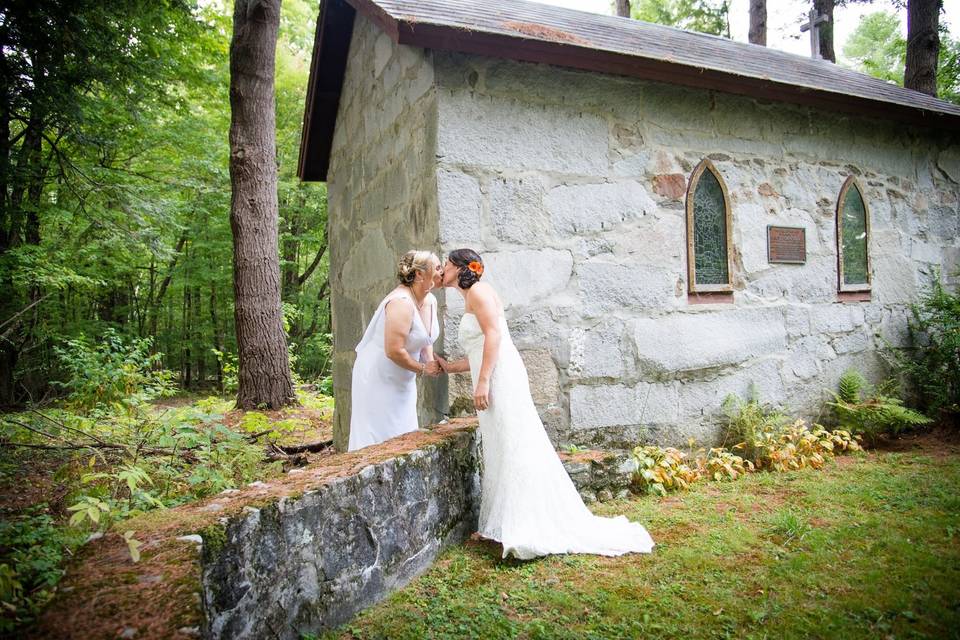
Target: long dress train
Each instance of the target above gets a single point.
(528, 502)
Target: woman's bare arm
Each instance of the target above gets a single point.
(484, 306)
(431, 309)
(396, 327)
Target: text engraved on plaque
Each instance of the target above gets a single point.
(787, 244)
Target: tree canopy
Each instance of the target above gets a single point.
(706, 16)
(115, 197)
(878, 48)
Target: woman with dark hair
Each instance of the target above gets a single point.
(527, 501)
(396, 348)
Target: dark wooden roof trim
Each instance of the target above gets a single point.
(327, 68)
(563, 54)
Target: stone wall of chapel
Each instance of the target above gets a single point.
(382, 195)
(572, 186)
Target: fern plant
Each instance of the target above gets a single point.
(749, 425)
(871, 412)
(932, 362)
(851, 385)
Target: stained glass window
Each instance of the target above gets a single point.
(708, 232)
(853, 230)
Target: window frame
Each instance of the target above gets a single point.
(838, 227)
(692, 286)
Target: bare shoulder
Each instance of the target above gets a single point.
(399, 307)
(483, 295)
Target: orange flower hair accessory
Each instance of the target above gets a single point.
(476, 267)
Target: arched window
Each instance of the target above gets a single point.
(709, 247)
(853, 238)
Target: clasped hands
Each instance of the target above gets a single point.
(434, 368)
(481, 394)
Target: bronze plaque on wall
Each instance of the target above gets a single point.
(786, 244)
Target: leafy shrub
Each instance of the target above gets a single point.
(230, 368)
(770, 442)
(932, 363)
(112, 371)
(259, 424)
(749, 425)
(663, 469)
(870, 412)
(32, 549)
(721, 464)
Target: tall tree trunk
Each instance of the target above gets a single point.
(264, 376)
(623, 8)
(923, 45)
(758, 22)
(290, 248)
(187, 336)
(825, 8)
(198, 345)
(217, 336)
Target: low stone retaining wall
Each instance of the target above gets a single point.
(309, 562)
(298, 554)
(306, 563)
(601, 475)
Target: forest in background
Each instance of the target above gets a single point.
(115, 206)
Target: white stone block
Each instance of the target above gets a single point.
(796, 319)
(850, 343)
(802, 360)
(606, 287)
(508, 134)
(592, 207)
(702, 399)
(657, 403)
(458, 204)
(598, 352)
(835, 318)
(517, 211)
(603, 406)
(687, 342)
(520, 277)
(543, 376)
(618, 405)
(370, 261)
(926, 252)
(894, 278)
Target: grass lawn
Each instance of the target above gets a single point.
(869, 547)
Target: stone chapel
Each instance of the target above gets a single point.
(669, 217)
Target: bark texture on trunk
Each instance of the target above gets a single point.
(825, 8)
(623, 8)
(758, 22)
(923, 45)
(264, 376)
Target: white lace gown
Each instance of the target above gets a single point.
(528, 502)
(383, 399)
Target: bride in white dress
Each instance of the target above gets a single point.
(528, 502)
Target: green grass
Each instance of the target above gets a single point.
(867, 548)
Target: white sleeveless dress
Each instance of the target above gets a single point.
(528, 502)
(383, 398)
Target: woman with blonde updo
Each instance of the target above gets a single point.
(396, 348)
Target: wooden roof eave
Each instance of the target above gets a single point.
(322, 106)
(563, 54)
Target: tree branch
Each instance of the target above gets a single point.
(313, 265)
